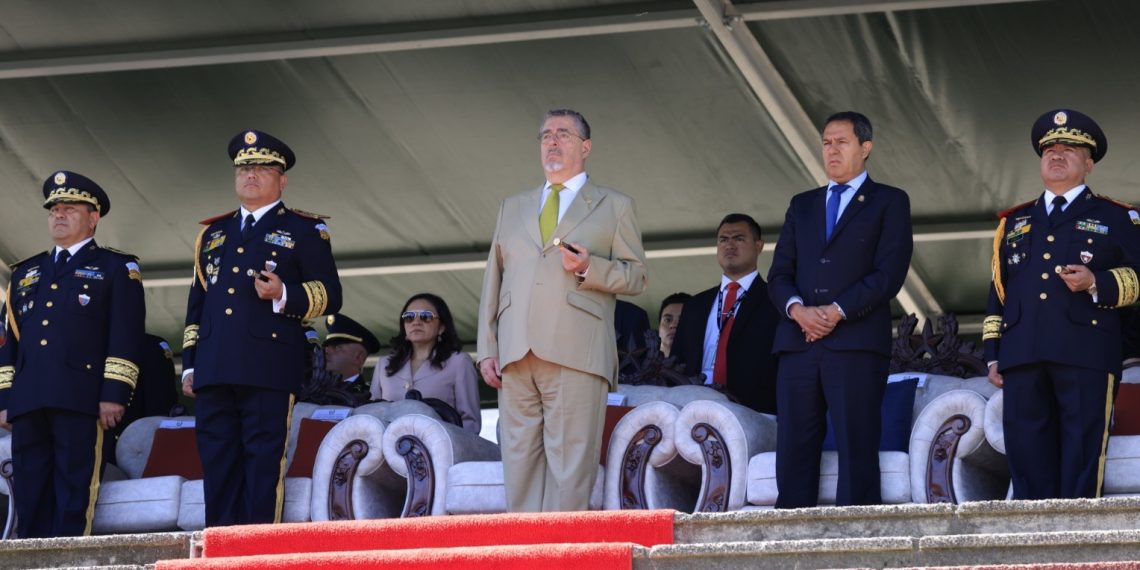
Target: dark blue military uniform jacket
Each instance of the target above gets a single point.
(232, 336)
(1032, 316)
(72, 338)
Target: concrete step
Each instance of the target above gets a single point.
(896, 552)
(991, 517)
(116, 551)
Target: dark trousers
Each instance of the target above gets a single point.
(1056, 422)
(56, 458)
(849, 384)
(242, 436)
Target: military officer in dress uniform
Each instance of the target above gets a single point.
(347, 346)
(70, 361)
(1063, 263)
(259, 273)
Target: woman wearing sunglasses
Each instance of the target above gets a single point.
(427, 356)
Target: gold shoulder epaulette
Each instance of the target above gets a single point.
(209, 221)
(28, 258)
(1008, 211)
(309, 215)
(1124, 205)
(130, 255)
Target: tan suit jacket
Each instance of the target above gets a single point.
(530, 303)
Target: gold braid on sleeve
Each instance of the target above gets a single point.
(1126, 285)
(190, 336)
(198, 258)
(6, 375)
(318, 299)
(122, 370)
(995, 263)
(991, 327)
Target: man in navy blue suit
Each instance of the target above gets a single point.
(70, 360)
(843, 254)
(1063, 264)
(259, 273)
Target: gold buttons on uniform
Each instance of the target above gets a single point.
(1044, 296)
(273, 253)
(45, 323)
(1094, 322)
(230, 290)
(231, 311)
(50, 304)
(236, 269)
(274, 335)
(89, 367)
(1047, 255)
(43, 342)
(54, 286)
(241, 250)
(1049, 239)
(85, 286)
(1090, 240)
(1044, 275)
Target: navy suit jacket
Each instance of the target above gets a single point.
(234, 337)
(73, 336)
(861, 268)
(751, 364)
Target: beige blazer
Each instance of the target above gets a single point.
(457, 383)
(530, 303)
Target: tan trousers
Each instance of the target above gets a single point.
(550, 431)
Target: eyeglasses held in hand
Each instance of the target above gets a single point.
(425, 316)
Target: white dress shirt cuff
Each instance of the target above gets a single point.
(279, 304)
(187, 372)
(788, 306)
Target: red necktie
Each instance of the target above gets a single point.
(720, 368)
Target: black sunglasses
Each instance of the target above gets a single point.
(425, 316)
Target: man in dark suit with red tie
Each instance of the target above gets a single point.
(726, 332)
(843, 254)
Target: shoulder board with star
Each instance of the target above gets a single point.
(1005, 213)
(113, 250)
(1116, 202)
(209, 221)
(309, 215)
(26, 259)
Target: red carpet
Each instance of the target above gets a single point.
(647, 528)
(602, 556)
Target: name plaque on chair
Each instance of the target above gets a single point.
(330, 414)
(177, 424)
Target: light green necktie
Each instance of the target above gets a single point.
(548, 218)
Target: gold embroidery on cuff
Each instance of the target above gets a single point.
(122, 370)
(318, 299)
(190, 336)
(991, 327)
(6, 375)
(1126, 285)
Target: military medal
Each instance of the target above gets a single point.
(324, 229)
(1086, 256)
(84, 299)
(1015, 259)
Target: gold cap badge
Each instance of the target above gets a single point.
(60, 178)
(1060, 118)
(251, 137)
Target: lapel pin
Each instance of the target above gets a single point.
(859, 198)
(1086, 256)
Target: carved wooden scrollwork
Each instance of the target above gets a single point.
(634, 465)
(940, 461)
(421, 476)
(718, 469)
(937, 353)
(340, 483)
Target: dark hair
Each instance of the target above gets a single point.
(583, 126)
(447, 344)
(859, 122)
(738, 218)
(673, 299)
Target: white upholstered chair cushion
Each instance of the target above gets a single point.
(894, 467)
(476, 487)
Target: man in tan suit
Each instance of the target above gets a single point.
(546, 331)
